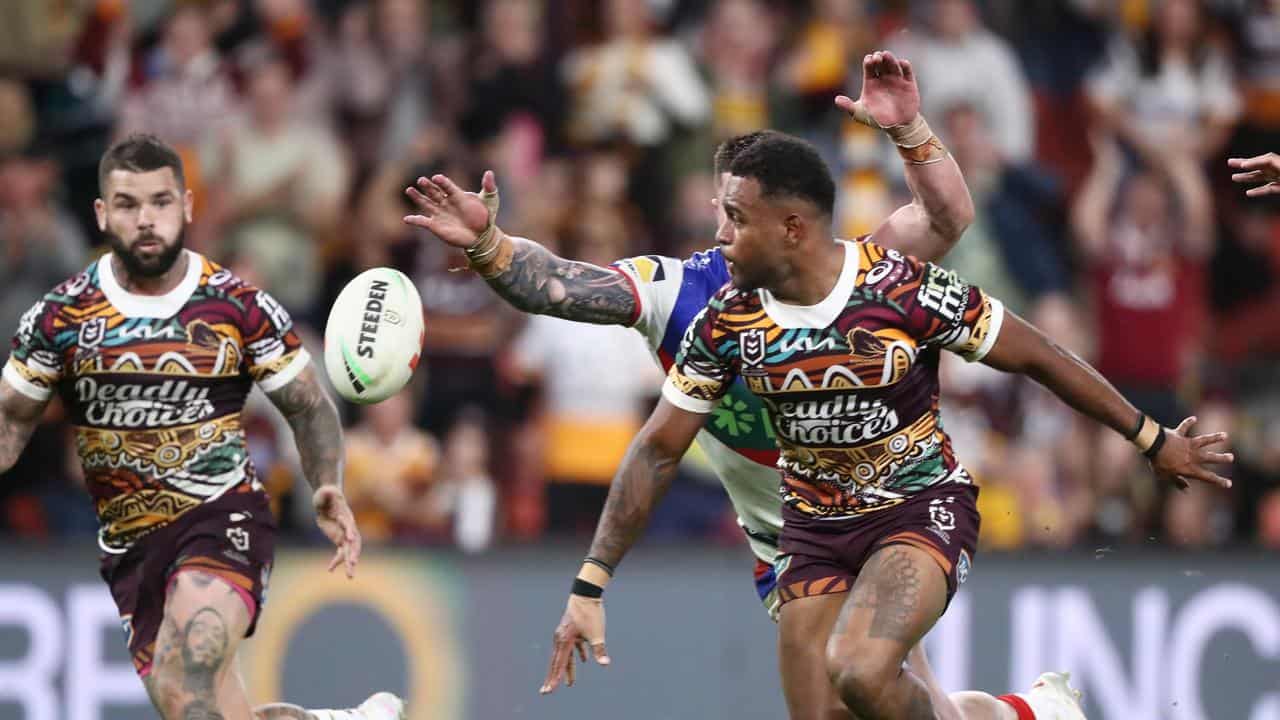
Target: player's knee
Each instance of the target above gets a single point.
(859, 675)
(165, 686)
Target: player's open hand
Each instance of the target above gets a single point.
(334, 517)
(1184, 457)
(889, 92)
(582, 624)
(1264, 169)
(449, 212)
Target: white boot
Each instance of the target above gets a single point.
(1052, 698)
(379, 706)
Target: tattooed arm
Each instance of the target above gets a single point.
(317, 431)
(316, 428)
(642, 480)
(19, 416)
(539, 281)
(527, 275)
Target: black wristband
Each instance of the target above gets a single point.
(1155, 446)
(1132, 434)
(586, 589)
(600, 564)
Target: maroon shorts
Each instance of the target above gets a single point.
(233, 538)
(825, 556)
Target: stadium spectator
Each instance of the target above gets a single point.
(1171, 87)
(278, 183)
(392, 475)
(958, 60)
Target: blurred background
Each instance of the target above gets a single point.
(1092, 133)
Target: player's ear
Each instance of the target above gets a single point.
(794, 225)
(188, 204)
(100, 212)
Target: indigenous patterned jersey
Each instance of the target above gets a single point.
(737, 438)
(851, 383)
(155, 386)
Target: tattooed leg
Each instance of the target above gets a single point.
(900, 593)
(203, 624)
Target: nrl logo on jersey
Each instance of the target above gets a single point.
(753, 349)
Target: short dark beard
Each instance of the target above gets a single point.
(151, 268)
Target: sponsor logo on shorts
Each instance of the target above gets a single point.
(238, 557)
(962, 567)
(239, 538)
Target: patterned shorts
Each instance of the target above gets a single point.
(820, 557)
(232, 538)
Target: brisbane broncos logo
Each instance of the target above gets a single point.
(880, 358)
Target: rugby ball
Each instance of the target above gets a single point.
(374, 336)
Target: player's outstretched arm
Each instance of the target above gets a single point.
(1261, 170)
(527, 275)
(1175, 455)
(941, 207)
(19, 416)
(317, 431)
(646, 472)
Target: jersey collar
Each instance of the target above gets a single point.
(149, 306)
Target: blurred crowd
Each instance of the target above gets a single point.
(1092, 133)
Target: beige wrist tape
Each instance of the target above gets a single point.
(496, 259)
(594, 574)
(1147, 434)
(915, 140)
(488, 242)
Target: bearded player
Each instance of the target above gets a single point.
(658, 296)
(153, 350)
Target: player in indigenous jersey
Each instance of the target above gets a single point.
(1263, 171)
(152, 350)
(842, 342)
(658, 296)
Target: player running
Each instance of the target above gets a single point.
(842, 341)
(660, 295)
(153, 350)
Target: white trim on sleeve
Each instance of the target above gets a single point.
(23, 385)
(993, 332)
(287, 375)
(673, 395)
